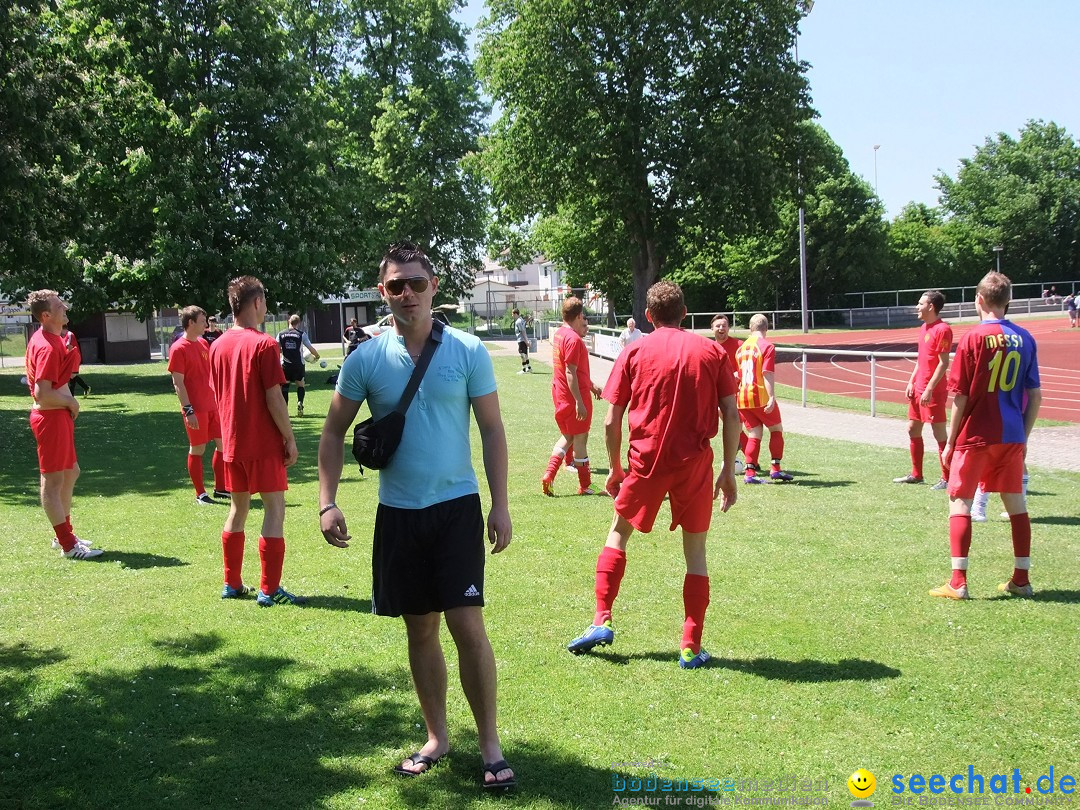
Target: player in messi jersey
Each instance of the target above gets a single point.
(758, 408)
(926, 390)
(189, 365)
(571, 387)
(671, 386)
(996, 369)
(293, 341)
(246, 378)
(49, 365)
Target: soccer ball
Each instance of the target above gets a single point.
(322, 364)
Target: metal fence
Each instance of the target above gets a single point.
(162, 331)
(1027, 289)
(871, 357)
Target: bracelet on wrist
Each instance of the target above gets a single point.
(188, 410)
(327, 508)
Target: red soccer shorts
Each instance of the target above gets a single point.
(690, 486)
(1000, 468)
(932, 413)
(209, 428)
(264, 475)
(566, 417)
(753, 417)
(54, 431)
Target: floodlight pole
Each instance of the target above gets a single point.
(805, 7)
(997, 254)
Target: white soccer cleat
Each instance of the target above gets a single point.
(81, 552)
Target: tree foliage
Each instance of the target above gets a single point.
(1023, 194)
(291, 139)
(669, 117)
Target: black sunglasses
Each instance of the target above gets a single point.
(396, 286)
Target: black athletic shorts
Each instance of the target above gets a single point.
(523, 347)
(293, 371)
(428, 560)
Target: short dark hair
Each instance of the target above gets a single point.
(665, 303)
(404, 253)
(996, 289)
(242, 291)
(717, 317)
(189, 314)
(935, 298)
(515, 311)
(571, 308)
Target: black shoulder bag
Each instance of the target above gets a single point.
(376, 440)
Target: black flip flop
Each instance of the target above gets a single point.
(494, 769)
(417, 759)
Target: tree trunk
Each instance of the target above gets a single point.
(646, 273)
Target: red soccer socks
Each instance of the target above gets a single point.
(1021, 540)
(610, 567)
(959, 545)
(232, 550)
(194, 468)
(917, 449)
(272, 555)
(219, 471)
(776, 449)
(695, 602)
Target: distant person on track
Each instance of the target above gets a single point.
(1070, 309)
(926, 390)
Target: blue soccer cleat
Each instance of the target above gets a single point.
(780, 475)
(598, 635)
(752, 479)
(229, 592)
(280, 597)
(687, 660)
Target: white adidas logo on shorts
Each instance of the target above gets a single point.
(472, 591)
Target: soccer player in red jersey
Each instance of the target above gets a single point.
(49, 366)
(926, 390)
(721, 327)
(672, 386)
(571, 386)
(189, 364)
(246, 378)
(758, 409)
(995, 373)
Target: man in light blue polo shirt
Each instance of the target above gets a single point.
(428, 551)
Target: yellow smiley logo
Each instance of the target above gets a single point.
(862, 784)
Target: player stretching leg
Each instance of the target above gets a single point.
(571, 386)
(925, 392)
(671, 386)
(758, 408)
(996, 372)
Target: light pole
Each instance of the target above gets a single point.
(997, 254)
(876, 147)
(805, 6)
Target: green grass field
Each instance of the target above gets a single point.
(127, 682)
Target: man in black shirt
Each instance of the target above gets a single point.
(293, 342)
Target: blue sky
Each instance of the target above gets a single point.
(930, 80)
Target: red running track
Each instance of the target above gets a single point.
(1059, 369)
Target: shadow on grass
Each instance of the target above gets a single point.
(775, 669)
(345, 604)
(137, 560)
(121, 451)
(206, 727)
(1056, 595)
(1057, 520)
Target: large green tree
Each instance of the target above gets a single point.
(1023, 194)
(672, 116)
(845, 239)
